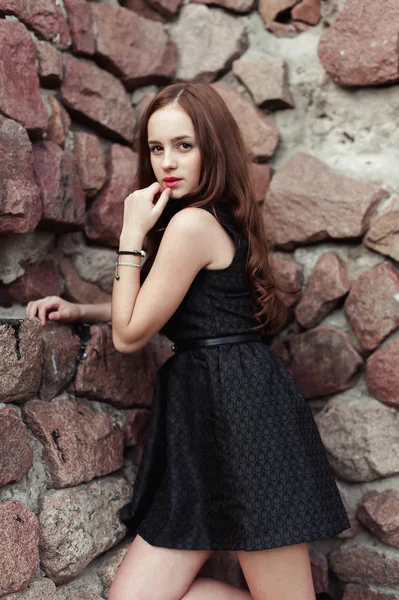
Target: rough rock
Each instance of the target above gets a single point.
(98, 98)
(372, 306)
(382, 373)
(13, 465)
(240, 6)
(319, 565)
(38, 281)
(321, 361)
(328, 283)
(258, 130)
(21, 358)
(78, 290)
(60, 355)
(59, 123)
(366, 562)
(361, 592)
(20, 98)
(353, 520)
(18, 250)
(63, 198)
(50, 64)
(136, 427)
(92, 263)
(105, 217)
(360, 47)
(20, 201)
(45, 18)
(144, 9)
(383, 235)
(151, 54)
(260, 178)
(79, 523)
(79, 442)
(110, 563)
(288, 275)
(39, 589)
(222, 35)
(326, 204)
(267, 81)
(140, 108)
(379, 512)
(123, 380)
(168, 8)
(81, 26)
(308, 11)
(90, 162)
(19, 553)
(361, 437)
(270, 9)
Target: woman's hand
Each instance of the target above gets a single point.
(140, 212)
(53, 308)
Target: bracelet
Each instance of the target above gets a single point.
(142, 253)
(124, 264)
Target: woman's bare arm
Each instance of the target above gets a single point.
(55, 308)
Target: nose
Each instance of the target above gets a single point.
(168, 161)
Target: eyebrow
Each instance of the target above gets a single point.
(175, 139)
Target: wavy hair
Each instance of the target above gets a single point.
(225, 178)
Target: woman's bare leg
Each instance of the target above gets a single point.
(278, 574)
(205, 588)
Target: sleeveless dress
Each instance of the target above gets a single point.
(233, 458)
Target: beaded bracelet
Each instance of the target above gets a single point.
(124, 264)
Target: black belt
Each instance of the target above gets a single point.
(207, 342)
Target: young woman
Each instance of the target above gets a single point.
(233, 460)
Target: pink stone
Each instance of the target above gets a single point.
(361, 592)
(365, 563)
(60, 355)
(319, 565)
(270, 9)
(168, 8)
(81, 26)
(105, 216)
(382, 373)
(308, 202)
(372, 306)
(260, 178)
(38, 281)
(258, 130)
(79, 442)
(98, 98)
(19, 550)
(20, 359)
(282, 29)
(288, 277)
(20, 93)
(360, 47)
(78, 290)
(45, 17)
(59, 123)
(62, 195)
(20, 201)
(379, 512)
(321, 361)
(327, 284)
(144, 9)
(50, 64)
(354, 528)
(90, 162)
(140, 108)
(240, 6)
(383, 235)
(267, 81)
(123, 380)
(151, 55)
(308, 11)
(136, 427)
(13, 465)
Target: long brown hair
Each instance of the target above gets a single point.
(225, 178)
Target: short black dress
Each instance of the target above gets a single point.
(234, 460)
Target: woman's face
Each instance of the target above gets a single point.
(174, 152)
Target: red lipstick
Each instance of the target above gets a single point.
(171, 181)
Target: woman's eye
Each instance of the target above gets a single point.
(155, 148)
(186, 145)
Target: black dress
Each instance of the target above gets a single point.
(234, 460)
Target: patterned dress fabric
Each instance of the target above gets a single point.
(234, 460)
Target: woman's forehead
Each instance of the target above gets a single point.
(169, 122)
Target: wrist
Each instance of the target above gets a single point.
(131, 240)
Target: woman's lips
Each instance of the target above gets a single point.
(172, 182)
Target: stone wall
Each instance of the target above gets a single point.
(312, 85)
